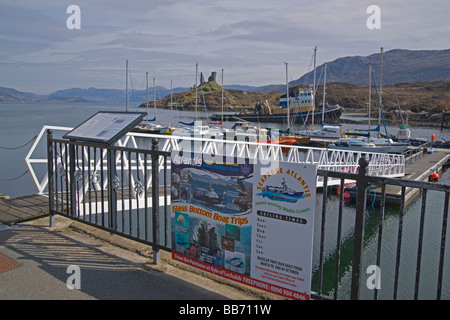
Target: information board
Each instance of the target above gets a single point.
(106, 127)
(245, 221)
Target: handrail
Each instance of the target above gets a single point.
(381, 164)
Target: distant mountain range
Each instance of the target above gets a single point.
(399, 66)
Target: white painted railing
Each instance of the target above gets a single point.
(381, 164)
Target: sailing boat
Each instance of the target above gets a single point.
(196, 128)
(327, 132)
(290, 139)
(384, 142)
(145, 126)
(149, 125)
(367, 143)
(404, 133)
(140, 127)
(277, 136)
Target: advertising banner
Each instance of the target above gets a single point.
(249, 222)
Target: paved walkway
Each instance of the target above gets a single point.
(36, 258)
(22, 208)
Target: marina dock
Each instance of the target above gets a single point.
(417, 169)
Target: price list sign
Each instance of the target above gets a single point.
(283, 219)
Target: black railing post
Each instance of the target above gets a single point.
(361, 184)
(112, 194)
(50, 177)
(72, 181)
(155, 201)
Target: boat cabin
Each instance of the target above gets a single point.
(303, 102)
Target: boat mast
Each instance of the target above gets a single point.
(314, 88)
(154, 97)
(370, 92)
(324, 85)
(381, 86)
(171, 101)
(196, 73)
(287, 98)
(126, 87)
(221, 121)
(146, 99)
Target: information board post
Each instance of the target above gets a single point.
(104, 128)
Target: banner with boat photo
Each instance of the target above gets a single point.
(243, 220)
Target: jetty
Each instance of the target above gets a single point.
(418, 168)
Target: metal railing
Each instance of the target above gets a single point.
(408, 191)
(111, 187)
(381, 164)
(126, 190)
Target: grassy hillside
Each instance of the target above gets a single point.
(430, 97)
(210, 94)
(416, 97)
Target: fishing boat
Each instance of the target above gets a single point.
(301, 108)
(327, 132)
(292, 105)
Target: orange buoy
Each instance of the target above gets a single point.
(433, 177)
(347, 197)
(433, 137)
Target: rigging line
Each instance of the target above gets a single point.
(330, 84)
(204, 102)
(395, 93)
(132, 88)
(15, 148)
(379, 103)
(16, 178)
(310, 68)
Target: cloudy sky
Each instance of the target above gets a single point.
(250, 39)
